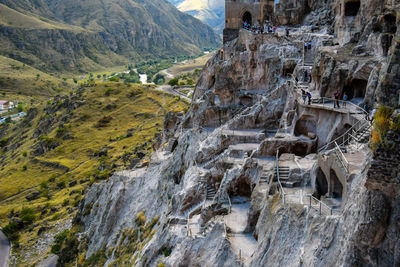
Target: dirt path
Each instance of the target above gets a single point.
(244, 244)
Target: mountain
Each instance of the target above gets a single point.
(211, 12)
(74, 35)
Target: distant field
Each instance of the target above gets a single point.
(188, 65)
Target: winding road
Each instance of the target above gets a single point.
(171, 90)
(5, 248)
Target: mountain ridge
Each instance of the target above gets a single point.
(86, 35)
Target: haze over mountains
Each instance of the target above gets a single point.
(75, 35)
(211, 12)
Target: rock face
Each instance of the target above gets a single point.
(220, 158)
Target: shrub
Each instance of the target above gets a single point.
(140, 218)
(11, 231)
(61, 184)
(173, 82)
(3, 142)
(25, 154)
(108, 92)
(24, 168)
(52, 178)
(113, 79)
(58, 240)
(27, 215)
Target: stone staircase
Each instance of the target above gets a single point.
(284, 177)
(211, 192)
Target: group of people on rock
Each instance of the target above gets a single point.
(258, 29)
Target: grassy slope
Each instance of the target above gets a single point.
(142, 114)
(12, 18)
(18, 81)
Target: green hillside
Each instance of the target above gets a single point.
(66, 144)
(78, 36)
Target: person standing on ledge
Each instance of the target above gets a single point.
(345, 98)
(337, 97)
(309, 98)
(287, 32)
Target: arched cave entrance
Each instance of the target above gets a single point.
(351, 8)
(241, 189)
(305, 125)
(321, 184)
(246, 100)
(336, 185)
(356, 88)
(389, 24)
(247, 18)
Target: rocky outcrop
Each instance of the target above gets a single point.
(245, 111)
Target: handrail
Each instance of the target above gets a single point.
(328, 100)
(277, 174)
(326, 146)
(342, 158)
(320, 203)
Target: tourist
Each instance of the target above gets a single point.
(337, 98)
(275, 29)
(366, 108)
(309, 45)
(287, 32)
(345, 98)
(309, 98)
(303, 95)
(312, 28)
(296, 80)
(305, 46)
(305, 78)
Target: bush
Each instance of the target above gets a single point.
(173, 82)
(27, 215)
(108, 92)
(61, 184)
(24, 154)
(11, 231)
(52, 178)
(159, 79)
(3, 142)
(24, 168)
(113, 79)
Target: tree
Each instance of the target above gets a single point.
(173, 82)
(98, 76)
(159, 79)
(8, 120)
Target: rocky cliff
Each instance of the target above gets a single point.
(248, 175)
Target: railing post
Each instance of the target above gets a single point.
(320, 209)
(310, 201)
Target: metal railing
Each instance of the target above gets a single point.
(347, 136)
(342, 158)
(282, 192)
(326, 100)
(318, 205)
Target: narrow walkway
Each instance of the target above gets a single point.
(5, 248)
(243, 244)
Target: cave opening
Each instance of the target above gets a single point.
(357, 88)
(389, 24)
(247, 18)
(321, 183)
(352, 8)
(336, 185)
(305, 125)
(241, 189)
